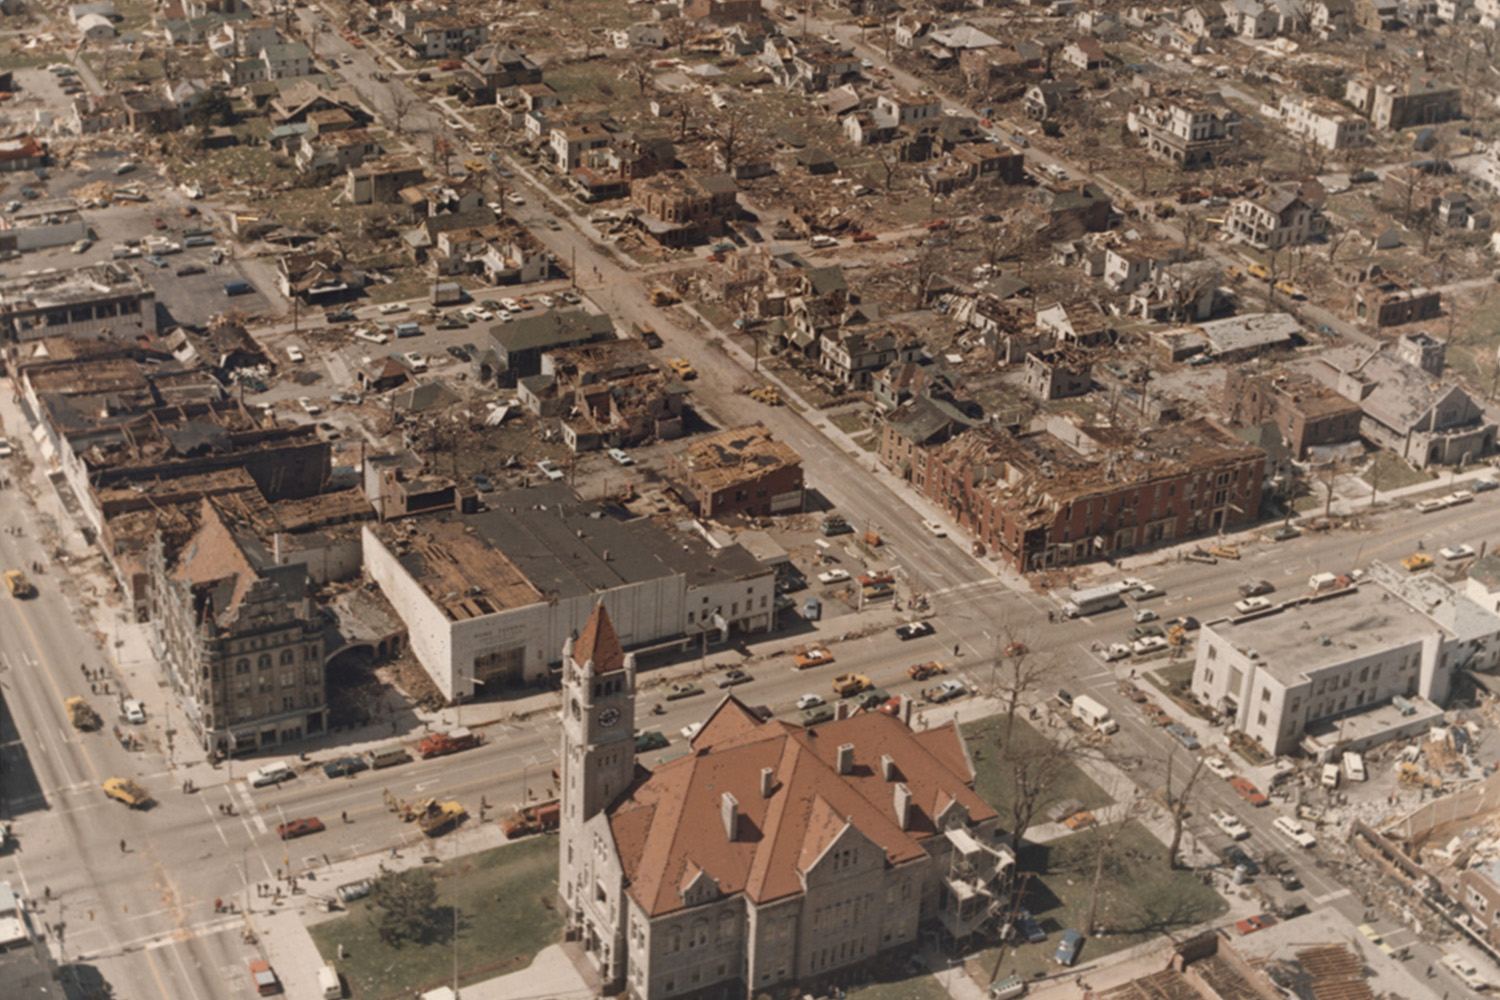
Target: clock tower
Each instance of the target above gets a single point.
(598, 743)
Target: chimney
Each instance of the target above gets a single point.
(906, 704)
(767, 781)
(887, 767)
(903, 805)
(846, 758)
(729, 811)
(841, 710)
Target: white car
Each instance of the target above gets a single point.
(392, 307)
(1143, 615)
(549, 469)
(1465, 970)
(1250, 604)
(937, 529)
(82, 245)
(691, 729)
(483, 314)
(620, 457)
(809, 701)
(1457, 497)
(1117, 651)
(5, 449)
(1456, 552)
(1148, 644)
(273, 773)
(833, 576)
(1295, 830)
(417, 362)
(510, 305)
(1430, 505)
(312, 409)
(1230, 824)
(547, 301)
(515, 199)
(295, 353)
(822, 242)
(371, 336)
(1218, 768)
(134, 711)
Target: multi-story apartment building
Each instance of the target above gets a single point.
(1306, 412)
(1422, 100)
(1274, 218)
(742, 470)
(1189, 130)
(1304, 665)
(682, 207)
(1072, 494)
(1323, 122)
(242, 645)
(771, 855)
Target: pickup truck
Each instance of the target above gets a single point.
(946, 691)
(922, 671)
(849, 685)
(1230, 824)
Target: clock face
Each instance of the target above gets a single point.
(609, 716)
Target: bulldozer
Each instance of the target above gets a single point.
(435, 818)
(82, 715)
(1414, 777)
(662, 296)
(768, 394)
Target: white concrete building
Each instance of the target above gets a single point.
(488, 599)
(1311, 665)
(1327, 123)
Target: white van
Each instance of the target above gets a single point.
(1330, 776)
(1295, 830)
(1094, 715)
(1354, 767)
(273, 773)
(328, 982)
(389, 756)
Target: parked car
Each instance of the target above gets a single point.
(1256, 923)
(682, 689)
(1067, 949)
(343, 767)
(1235, 856)
(1218, 768)
(549, 469)
(732, 677)
(1230, 824)
(650, 740)
(1255, 588)
(1247, 791)
(620, 457)
(1184, 735)
(1251, 604)
(809, 701)
(1028, 926)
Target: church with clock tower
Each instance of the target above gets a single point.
(768, 854)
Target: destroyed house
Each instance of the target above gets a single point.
(681, 208)
(609, 395)
(1036, 500)
(743, 470)
(1188, 131)
(241, 642)
(316, 276)
(1307, 413)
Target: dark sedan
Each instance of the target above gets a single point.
(914, 630)
(344, 767)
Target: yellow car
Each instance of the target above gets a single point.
(17, 584)
(848, 685)
(1417, 561)
(128, 792)
(1259, 271)
(682, 368)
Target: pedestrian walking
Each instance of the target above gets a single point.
(46, 892)
(122, 845)
(955, 649)
(344, 816)
(93, 689)
(393, 853)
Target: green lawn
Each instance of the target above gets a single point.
(1390, 472)
(995, 782)
(506, 914)
(1138, 899)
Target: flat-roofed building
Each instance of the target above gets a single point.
(1317, 659)
(105, 300)
(489, 598)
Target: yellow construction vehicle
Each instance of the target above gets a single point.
(17, 584)
(768, 394)
(435, 818)
(1177, 635)
(1415, 777)
(661, 296)
(128, 792)
(82, 715)
(1417, 561)
(682, 368)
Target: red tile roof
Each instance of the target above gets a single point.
(669, 824)
(599, 643)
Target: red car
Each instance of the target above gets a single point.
(1256, 923)
(299, 828)
(1248, 791)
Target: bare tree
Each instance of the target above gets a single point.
(403, 103)
(1180, 804)
(1036, 771)
(890, 159)
(1105, 849)
(927, 264)
(1017, 671)
(639, 69)
(726, 135)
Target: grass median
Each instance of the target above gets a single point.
(506, 914)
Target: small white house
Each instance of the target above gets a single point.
(96, 27)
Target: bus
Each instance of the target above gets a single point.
(1092, 601)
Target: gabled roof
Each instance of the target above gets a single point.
(669, 825)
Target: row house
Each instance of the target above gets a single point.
(1040, 499)
(809, 68)
(930, 417)
(572, 144)
(608, 395)
(1128, 265)
(381, 181)
(243, 39)
(1386, 298)
(1189, 130)
(741, 470)
(1250, 18)
(1058, 374)
(336, 151)
(1323, 122)
(1275, 217)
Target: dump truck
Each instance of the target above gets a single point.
(848, 685)
(452, 741)
(17, 584)
(533, 819)
(661, 296)
(128, 792)
(435, 818)
(82, 715)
